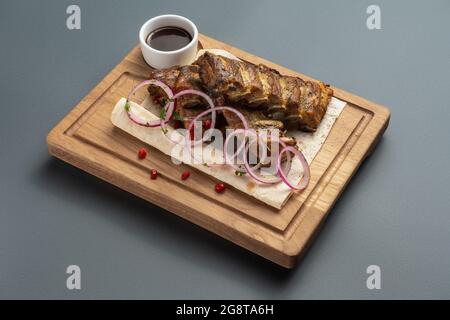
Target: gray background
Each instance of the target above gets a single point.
(394, 213)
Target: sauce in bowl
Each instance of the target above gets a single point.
(168, 38)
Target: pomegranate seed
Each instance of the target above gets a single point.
(207, 124)
(185, 175)
(220, 187)
(177, 125)
(192, 133)
(153, 174)
(157, 99)
(142, 153)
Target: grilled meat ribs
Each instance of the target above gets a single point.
(300, 104)
(256, 119)
(258, 91)
(179, 79)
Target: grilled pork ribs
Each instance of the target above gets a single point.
(263, 95)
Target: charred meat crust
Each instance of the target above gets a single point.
(258, 89)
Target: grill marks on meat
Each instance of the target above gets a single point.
(236, 82)
(261, 93)
(307, 115)
(168, 76)
(301, 104)
(255, 119)
(189, 78)
(179, 79)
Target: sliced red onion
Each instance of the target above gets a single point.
(306, 172)
(169, 107)
(278, 166)
(255, 176)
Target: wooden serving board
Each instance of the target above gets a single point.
(87, 139)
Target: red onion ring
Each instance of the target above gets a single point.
(182, 93)
(304, 181)
(259, 179)
(247, 147)
(211, 107)
(169, 107)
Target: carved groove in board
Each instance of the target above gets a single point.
(92, 108)
(329, 173)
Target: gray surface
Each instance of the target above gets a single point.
(395, 213)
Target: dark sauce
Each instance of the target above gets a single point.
(168, 38)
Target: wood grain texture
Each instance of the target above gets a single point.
(87, 139)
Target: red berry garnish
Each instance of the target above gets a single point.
(220, 187)
(207, 124)
(157, 99)
(192, 133)
(177, 125)
(185, 175)
(153, 174)
(142, 153)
